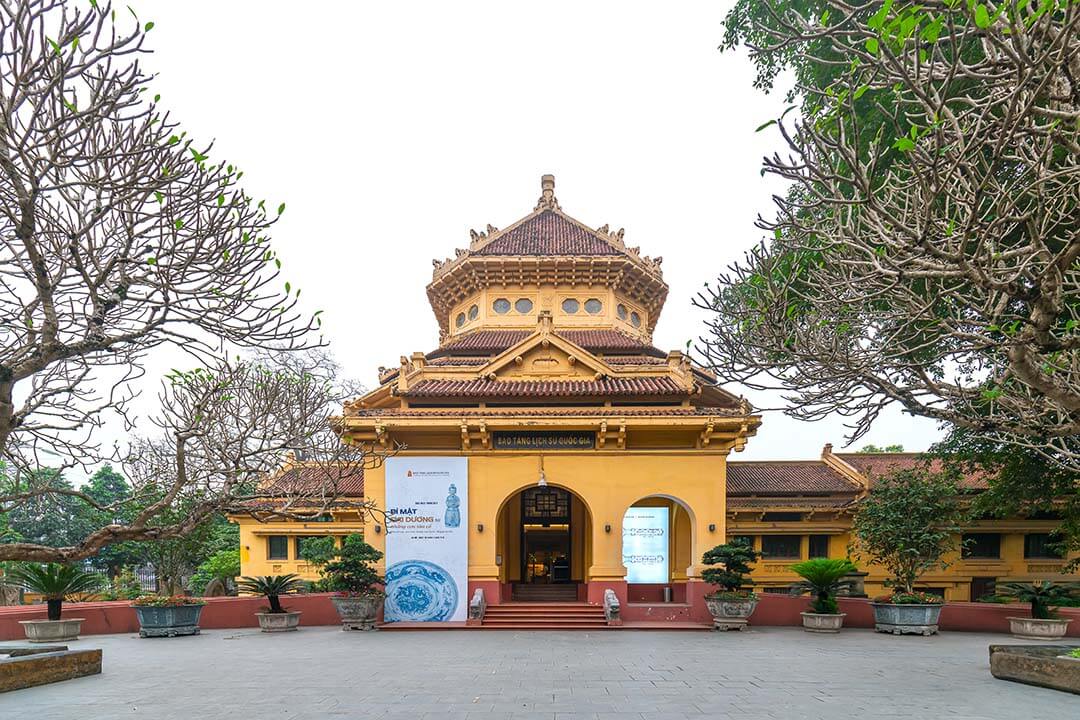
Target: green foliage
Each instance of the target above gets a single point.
(223, 565)
(272, 587)
(166, 601)
(915, 597)
(876, 449)
(123, 586)
(824, 579)
(1045, 596)
(54, 582)
(346, 569)
(1075, 652)
(735, 560)
(907, 524)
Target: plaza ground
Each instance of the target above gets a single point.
(321, 672)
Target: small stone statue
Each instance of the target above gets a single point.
(453, 508)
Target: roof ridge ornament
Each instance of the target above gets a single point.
(547, 200)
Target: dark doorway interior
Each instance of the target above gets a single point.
(545, 536)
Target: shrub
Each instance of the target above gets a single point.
(272, 587)
(735, 559)
(915, 597)
(346, 569)
(907, 523)
(823, 578)
(1045, 596)
(125, 586)
(54, 582)
(223, 565)
(166, 601)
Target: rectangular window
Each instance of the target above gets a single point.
(819, 546)
(983, 546)
(982, 587)
(1040, 546)
(782, 517)
(781, 547)
(277, 547)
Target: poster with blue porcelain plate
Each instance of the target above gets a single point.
(427, 543)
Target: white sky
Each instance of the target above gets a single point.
(392, 128)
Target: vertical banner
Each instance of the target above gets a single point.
(645, 544)
(427, 539)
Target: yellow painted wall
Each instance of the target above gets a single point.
(254, 543)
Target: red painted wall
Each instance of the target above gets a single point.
(773, 610)
(119, 617)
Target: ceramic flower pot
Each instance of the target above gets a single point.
(823, 623)
(730, 614)
(278, 622)
(358, 613)
(168, 620)
(1038, 629)
(906, 619)
(46, 631)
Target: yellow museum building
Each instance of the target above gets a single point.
(580, 433)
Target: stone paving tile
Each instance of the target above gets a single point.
(764, 674)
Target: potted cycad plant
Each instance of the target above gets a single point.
(1045, 597)
(824, 580)
(54, 582)
(168, 615)
(907, 524)
(731, 605)
(347, 571)
(274, 618)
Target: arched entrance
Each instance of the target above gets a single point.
(543, 545)
(657, 549)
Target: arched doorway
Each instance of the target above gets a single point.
(544, 544)
(657, 549)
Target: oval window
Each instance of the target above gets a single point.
(460, 319)
(570, 306)
(523, 305)
(622, 312)
(635, 319)
(473, 312)
(501, 306)
(593, 306)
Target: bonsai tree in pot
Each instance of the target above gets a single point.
(732, 605)
(274, 618)
(347, 571)
(1045, 598)
(824, 580)
(54, 582)
(168, 615)
(907, 524)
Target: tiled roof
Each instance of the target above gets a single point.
(735, 502)
(607, 387)
(549, 233)
(455, 360)
(318, 480)
(795, 477)
(490, 342)
(879, 464)
(612, 412)
(634, 360)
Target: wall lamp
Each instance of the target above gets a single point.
(607, 528)
(712, 527)
(479, 527)
(378, 529)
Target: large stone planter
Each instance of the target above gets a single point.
(46, 631)
(168, 621)
(358, 613)
(730, 614)
(1041, 665)
(278, 622)
(821, 623)
(906, 619)
(1036, 629)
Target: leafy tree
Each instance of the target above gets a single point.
(223, 565)
(345, 569)
(734, 559)
(875, 449)
(54, 519)
(926, 252)
(907, 524)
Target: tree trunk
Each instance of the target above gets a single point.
(53, 608)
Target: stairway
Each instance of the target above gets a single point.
(544, 616)
(528, 592)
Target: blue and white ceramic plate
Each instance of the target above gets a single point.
(419, 591)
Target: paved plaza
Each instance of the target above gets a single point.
(325, 673)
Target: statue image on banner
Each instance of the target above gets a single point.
(452, 518)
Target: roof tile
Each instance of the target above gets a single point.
(607, 387)
(794, 477)
(549, 233)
